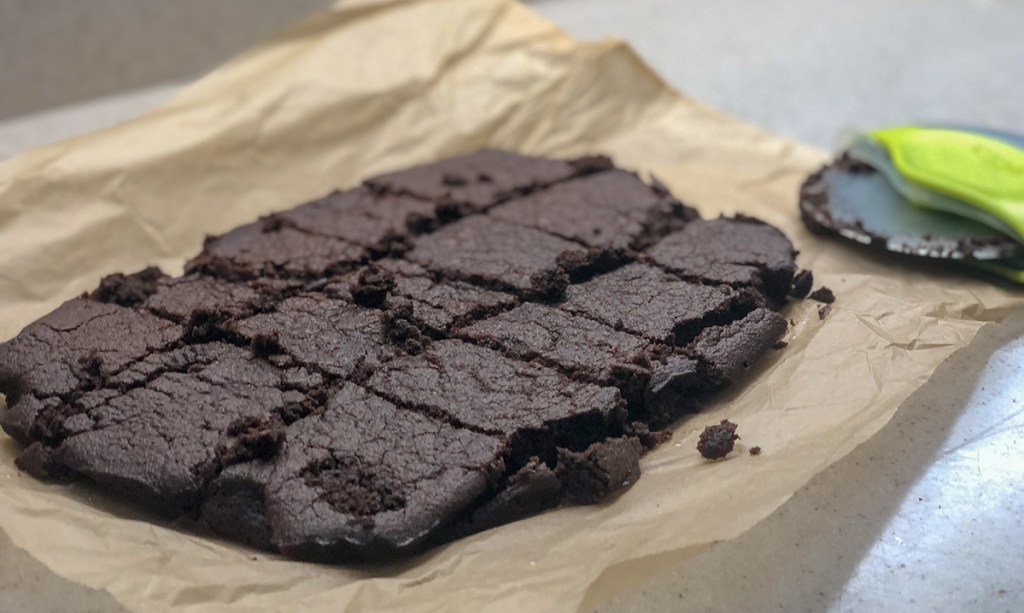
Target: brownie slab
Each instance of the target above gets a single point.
(607, 209)
(434, 353)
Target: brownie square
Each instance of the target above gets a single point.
(361, 216)
(608, 209)
(478, 388)
(739, 252)
(476, 181)
(583, 349)
(67, 350)
(643, 300)
(161, 441)
(726, 353)
(312, 330)
(496, 254)
(437, 304)
(265, 249)
(362, 480)
(179, 298)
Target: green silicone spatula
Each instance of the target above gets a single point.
(938, 192)
(982, 176)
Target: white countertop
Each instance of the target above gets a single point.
(925, 516)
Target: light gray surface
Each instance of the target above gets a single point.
(54, 52)
(926, 515)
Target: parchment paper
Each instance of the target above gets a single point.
(377, 85)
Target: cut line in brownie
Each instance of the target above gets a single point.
(435, 353)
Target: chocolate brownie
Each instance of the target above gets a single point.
(646, 301)
(741, 252)
(725, 353)
(478, 388)
(364, 479)
(267, 249)
(361, 216)
(67, 352)
(315, 331)
(435, 353)
(177, 299)
(608, 209)
(476, 181)
(496, 254)
(437, 304)
(581, 348)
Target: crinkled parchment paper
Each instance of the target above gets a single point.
(376, 85)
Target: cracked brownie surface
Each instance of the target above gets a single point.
(436, 352)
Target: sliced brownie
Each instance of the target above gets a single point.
(437, 352)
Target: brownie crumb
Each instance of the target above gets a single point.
(589, 164)
(266, 345)
(352, 488)
(780, 345)
(802, 284)
(824, 311)
(401, 329)
(453, 180)
(823, 294)
(604, 468)
(128, 290)
(755, 451)
(37, 460)
(208, 325)
(549, 285)
(418, 223)
(371, 287)
(717, 441)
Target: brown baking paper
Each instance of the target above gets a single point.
(372, 86)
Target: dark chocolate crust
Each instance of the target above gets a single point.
(436, 352)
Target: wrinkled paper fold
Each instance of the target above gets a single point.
(371, 86)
